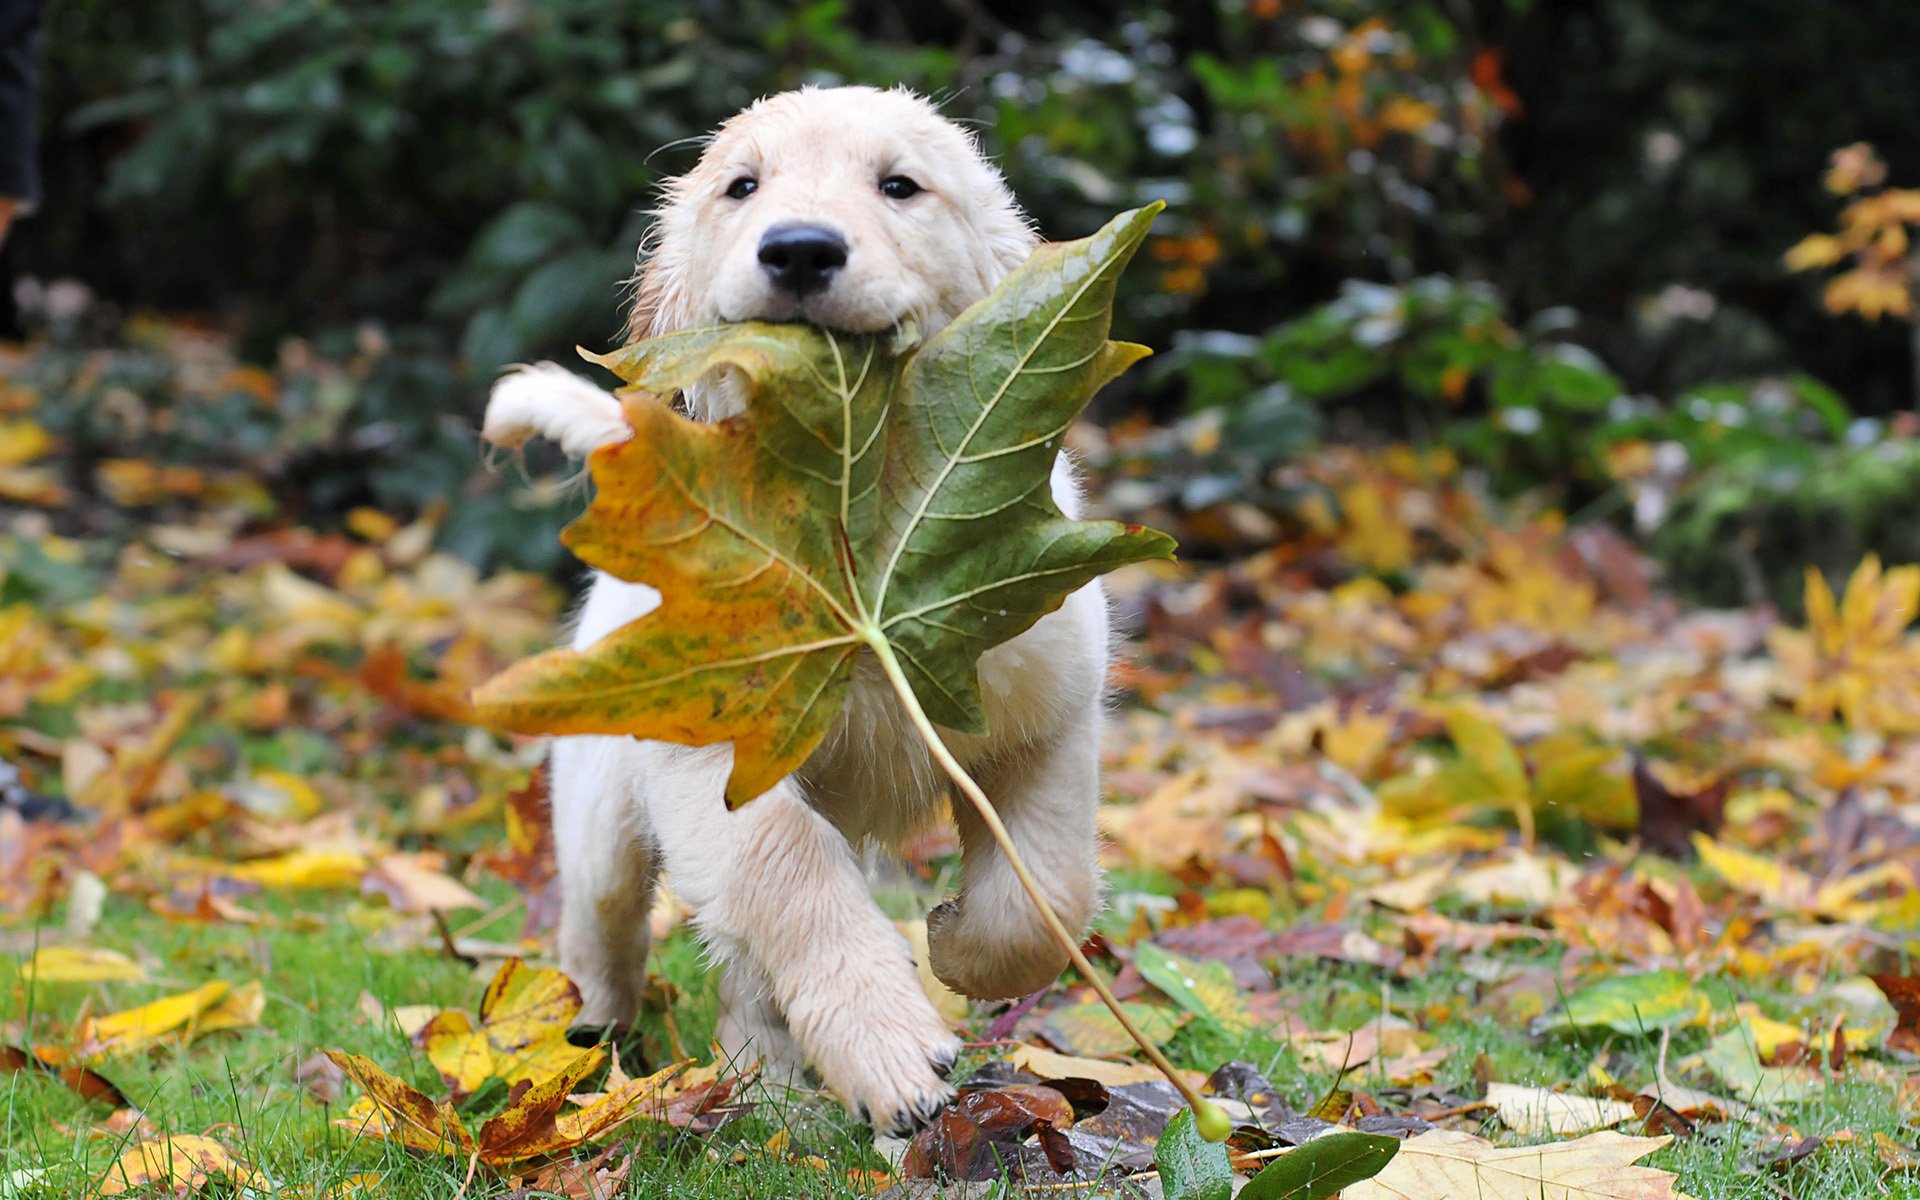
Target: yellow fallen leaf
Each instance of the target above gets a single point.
(1538, 1112)
(522, 1034)
(947, 1002)
(1048, 1064)
(22, 441)
(182, 1163)
(81, 964)
(210, 1007)
(1443, 1165)
(303, 869)
(396, 1111)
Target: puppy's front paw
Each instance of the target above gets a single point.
(901, 1105)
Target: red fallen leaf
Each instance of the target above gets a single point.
(1338, 943)
(1669, 819)
(320, 555)
(1904, 993)
(576, 1179)
(387, 673)
(978, 1131)
(88, 1084)
(527, 862)
(1837, 1049)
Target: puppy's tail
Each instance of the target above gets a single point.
(547, 400)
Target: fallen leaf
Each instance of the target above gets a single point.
(1090, 1030)
(1204, 988)
(1444, 1165)
(1636, 1003)
(320, 1076)
(1539, 1112)
(1903, 991)
(974, 1137)
(183, 1163)
(412, 885)
(524, 1016)
(211, 1007)
(86, 1083)
(81, 964)
(1047, 1064)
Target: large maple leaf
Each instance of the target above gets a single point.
(873, 498)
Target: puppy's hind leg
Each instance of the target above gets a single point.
(607, 875)
(992, 943)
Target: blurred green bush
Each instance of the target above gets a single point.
(1367, 198)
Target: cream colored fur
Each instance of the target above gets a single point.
(814, 969)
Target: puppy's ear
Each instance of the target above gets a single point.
(649, 294)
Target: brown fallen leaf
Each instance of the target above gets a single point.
(321, 1077)
(1903, 991)
(977, 1133)
(88, 1084)
(533, 1125)
(183, 1164)
(1444, 1165)
(576, 1179)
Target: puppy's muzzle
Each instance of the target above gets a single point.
(802, 259)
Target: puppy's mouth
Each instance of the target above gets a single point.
(822, 312)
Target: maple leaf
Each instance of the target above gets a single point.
(872, 498)
(531, 1126)
(522, 1034)
(1854, 658)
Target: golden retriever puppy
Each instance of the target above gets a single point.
(851, 209)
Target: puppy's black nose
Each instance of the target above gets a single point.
(802, 258)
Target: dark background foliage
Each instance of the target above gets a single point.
(1537, 231)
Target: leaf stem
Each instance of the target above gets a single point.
(1208, 1117)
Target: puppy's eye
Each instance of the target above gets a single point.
(898, 187)
(742, 187)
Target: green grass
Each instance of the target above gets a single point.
(241, 1085)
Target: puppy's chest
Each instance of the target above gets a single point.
(874, 775)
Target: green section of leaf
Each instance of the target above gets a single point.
(1632, 1004)
(865, 498)
(1203, 987)
(1090, 1029)
(1191, 1168)
(1322, 1167)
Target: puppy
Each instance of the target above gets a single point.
(858, 210)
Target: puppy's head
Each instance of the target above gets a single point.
(849, 208)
